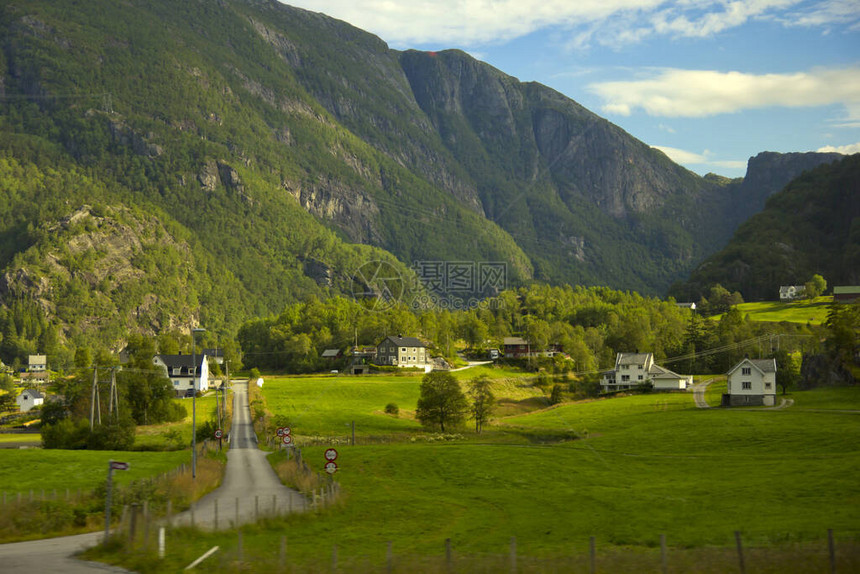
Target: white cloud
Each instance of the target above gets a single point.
(827, 13)
(468, 22)
(849, 149)
(682, 156)
(701, 93)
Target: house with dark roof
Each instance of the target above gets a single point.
(752, 382)
(791, 292)
(632, 369)
(28, 399)
(187, 373)
(846, 293)
(403, 352)
(519, 348)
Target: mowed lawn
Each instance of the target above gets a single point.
(804, 311)
(38, 469)
(645, 465)
(327, 406)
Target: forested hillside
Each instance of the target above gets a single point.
(811, 227)
(166, 164)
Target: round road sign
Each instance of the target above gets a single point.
(288, 430)
(280, 431)
(219, 433)
(287, 439)
(331, 467)
(331, 454)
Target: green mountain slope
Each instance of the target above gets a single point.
(812, 226)
(171, 163)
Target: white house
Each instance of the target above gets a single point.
(751, 382)
(28, 399)
(632, 369)
(37, 363)
(404, 352)
(183, 373)
(791, 292)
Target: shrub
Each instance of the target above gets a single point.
(392, 409)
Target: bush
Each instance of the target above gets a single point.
(392, 409)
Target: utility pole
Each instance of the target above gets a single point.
(194, 402)
(113, 406)
(95, 406)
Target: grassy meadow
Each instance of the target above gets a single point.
(624, 470)
(804, 311)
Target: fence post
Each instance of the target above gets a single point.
(239, 546)
(132, 525)
(282, 556)
(740, 551)
(256, 507)
(663, 558)
(274, 505)
(237, 512)
(216, 514)
(169, 512)
(334, 558)
(448, 558)
(389, 559)
(513, 555)
(831, 547)
(592, 555)
(161, 543)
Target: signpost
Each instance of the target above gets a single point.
(218, 434)
(112, 466)
(287, 439)
(330, 457)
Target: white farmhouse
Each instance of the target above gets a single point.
(632, 369)
(752, 382)
(184, 373)
(28, 399)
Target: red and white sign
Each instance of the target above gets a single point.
(287, 439)
(116, 465)
(331, 455)
(280, 431)
(331, 467)
(287, 430)
(219, 433)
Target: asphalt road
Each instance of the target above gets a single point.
(250, 489)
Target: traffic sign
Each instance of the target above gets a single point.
(331, 467)
(218, 433)
(287, 439)
(288, 430)
(280, 431)
(331, 454)
(116, 465)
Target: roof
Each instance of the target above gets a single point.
(847, 290)
(658, 372)
(181, 360)
(37, 359)
(213, 352)
(515, 341)
(632, 358)
(405, 341)
(763, 365)
(331, 353)
(33, 393)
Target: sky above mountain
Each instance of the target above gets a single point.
(709, 82)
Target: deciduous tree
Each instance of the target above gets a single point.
(442, 402)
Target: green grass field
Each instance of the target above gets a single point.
(642, 466)
(23, 470)
(805, 311)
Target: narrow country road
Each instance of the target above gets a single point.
(249, 479)
(251, 488)
(699, 394)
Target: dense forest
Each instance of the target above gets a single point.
(591, 325)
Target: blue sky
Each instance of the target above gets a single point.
(710, 82)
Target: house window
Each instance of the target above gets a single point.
(767, 386)
(640, 377)
(402, 349)
(175, 383)
(746, 385)
(746, 370)
(625, 377)
(176, 370)
(639, 367)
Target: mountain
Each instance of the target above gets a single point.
(810, 227)
(164, 164)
